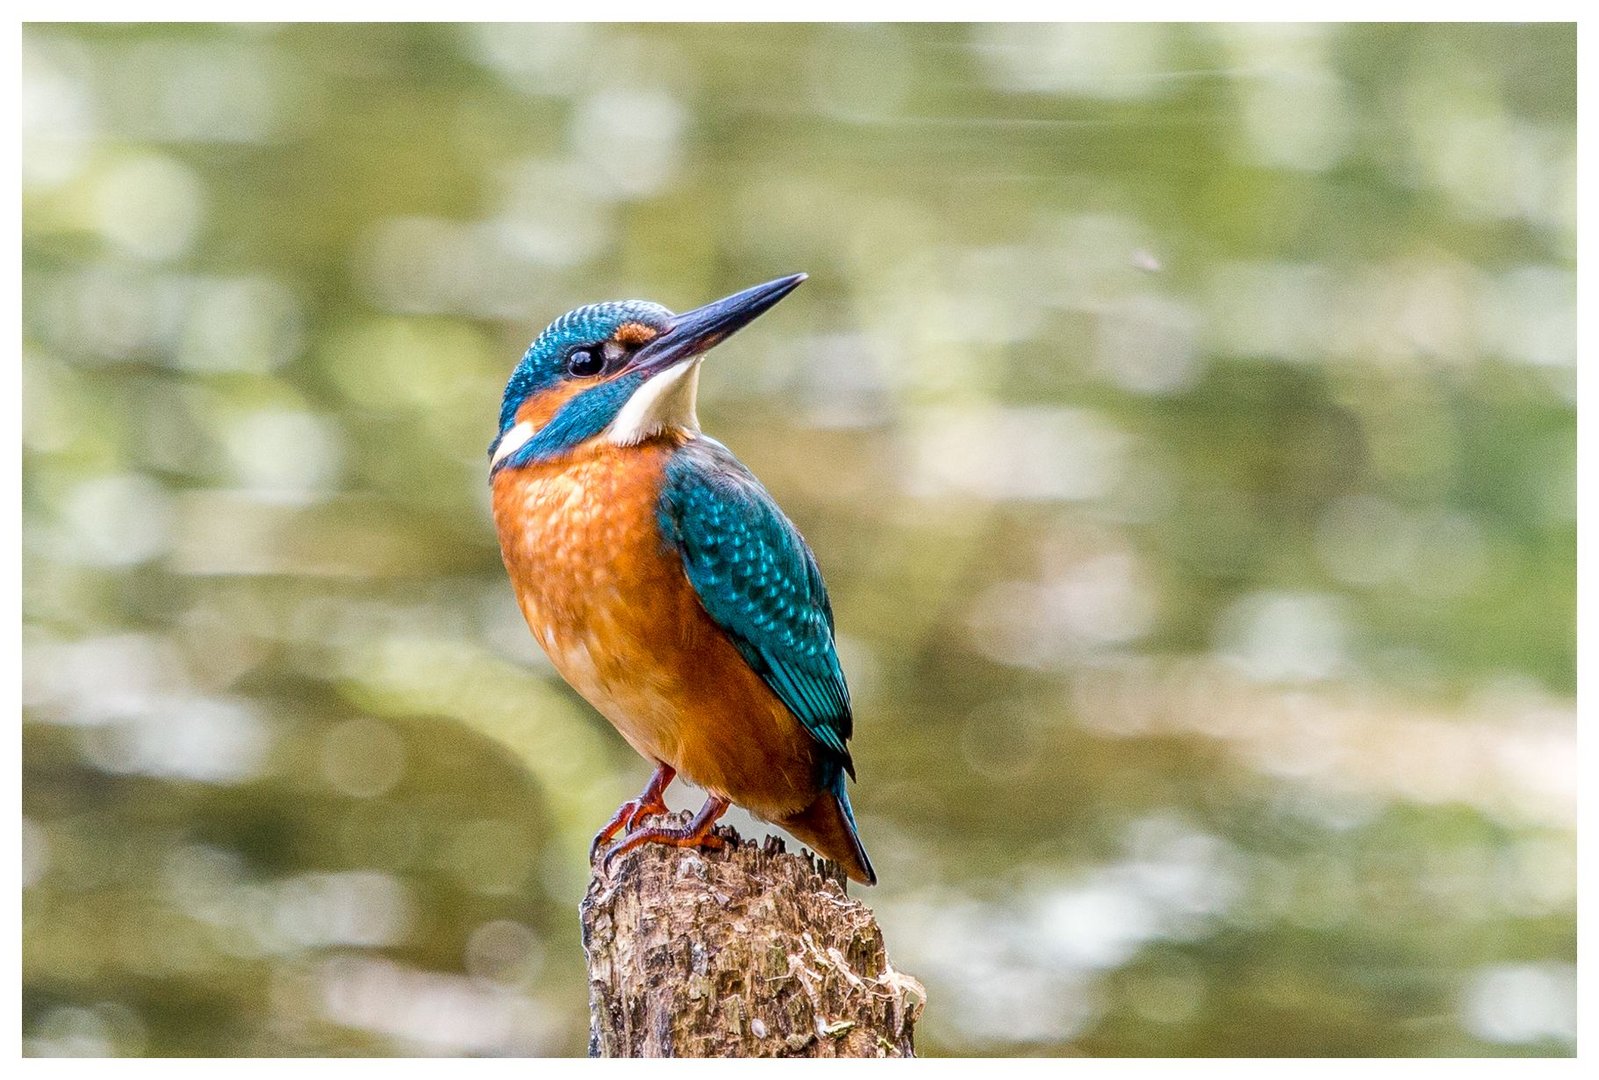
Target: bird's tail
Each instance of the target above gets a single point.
(828, 826)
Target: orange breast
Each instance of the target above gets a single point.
(611, 605)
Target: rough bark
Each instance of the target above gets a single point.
(750, 951)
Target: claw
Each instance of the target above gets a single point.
(697, 833)
(629, 814)
(639, 810)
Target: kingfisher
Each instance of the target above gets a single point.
(665, 584)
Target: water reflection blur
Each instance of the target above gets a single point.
(1184, 417)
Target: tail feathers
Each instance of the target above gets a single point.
(828, 826)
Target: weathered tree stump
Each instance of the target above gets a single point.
(750, 951)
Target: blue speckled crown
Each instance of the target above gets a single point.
(542, 364)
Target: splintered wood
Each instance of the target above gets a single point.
(750, 951)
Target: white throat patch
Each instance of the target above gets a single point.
(514, 440)
(665, 402)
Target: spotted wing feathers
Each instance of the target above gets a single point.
(759, 581)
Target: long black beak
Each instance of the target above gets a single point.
(693, 332)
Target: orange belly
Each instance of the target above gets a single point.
(614, 610)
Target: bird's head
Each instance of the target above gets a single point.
(624, 370)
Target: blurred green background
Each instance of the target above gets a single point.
(1184, 418)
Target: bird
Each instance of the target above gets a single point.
(664, 582)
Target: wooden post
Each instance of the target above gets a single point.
(750, 951)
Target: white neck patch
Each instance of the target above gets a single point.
(665, 402)
(513, 441)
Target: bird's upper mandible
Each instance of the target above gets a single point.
(624, 369)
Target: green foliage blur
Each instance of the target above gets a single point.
(1184, 419)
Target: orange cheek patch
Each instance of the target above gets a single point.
(635, 333)
(539, 408)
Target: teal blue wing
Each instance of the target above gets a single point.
(759, 582)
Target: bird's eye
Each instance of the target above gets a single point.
(584, 362)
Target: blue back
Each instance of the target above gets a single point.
(760, 583)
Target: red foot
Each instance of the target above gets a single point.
(697, 833)
(633, 811)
